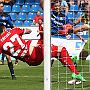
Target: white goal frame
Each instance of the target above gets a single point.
(47, 52)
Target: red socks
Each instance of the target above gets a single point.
(66, 60)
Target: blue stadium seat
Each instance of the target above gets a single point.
(18, 23)
(26, 8)
(74, 7)
(31, 16)
(79, 14)
(30, 2)
(28, 23)
(70, 15)
(7, 8)
(13, 16)
(37, 1)
(35, 8)
(40, 9)
(22, 16)
(41, 14)
(16, 8)
(20, 2)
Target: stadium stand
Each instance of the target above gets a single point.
(30, 7)
(19, 2)
(26, 8)
(16, 8)
(13, 16)
(27, 23)
(37, 1)
(35, 8)
(41, 14)
(18, 23)
(22, 16)
(74, 8)
(30, 2)
(70, 15)
(7, 8)
(24, 11)
(31, 16)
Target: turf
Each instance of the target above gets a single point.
(31, 78)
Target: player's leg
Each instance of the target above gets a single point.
(10, 65)
(3, 55)
(66, 60)
(16, 62)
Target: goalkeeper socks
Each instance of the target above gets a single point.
(10, 65)
(66, 60)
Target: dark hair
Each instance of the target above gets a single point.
(2, 3)
(1, 29)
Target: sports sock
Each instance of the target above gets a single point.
(10, 65)
(66, 60)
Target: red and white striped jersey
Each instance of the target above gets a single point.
(12, 43)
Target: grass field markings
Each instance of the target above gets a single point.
(77, 89)
(70, 73)
(24, 76)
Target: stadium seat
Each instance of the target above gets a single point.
(79, 14)
(26, 8)
(30, 2)
(20, 2)
(35, 8)
(13, 16)
(28, 23)
(31, 16)
(37, 1)
(41, 14)
(74, 7)
(70, 15)
(16, 8)
(7, 8)
(40, 9)
(18, 23)
(22, 16)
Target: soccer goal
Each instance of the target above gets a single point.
(59, 76)
(47, 53)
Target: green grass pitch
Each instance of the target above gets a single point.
(31, 78)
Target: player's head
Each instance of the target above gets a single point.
(57, 6)
(2, 28)
(38, 13)
(40, 21)
(1, 6)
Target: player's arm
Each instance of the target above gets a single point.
(81, 38)
(10, 22)
(27, 31)
(77, 21)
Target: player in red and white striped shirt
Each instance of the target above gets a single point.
(11, 43)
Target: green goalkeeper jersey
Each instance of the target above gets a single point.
(87, 21)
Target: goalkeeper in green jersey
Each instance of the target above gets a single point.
(85, 27)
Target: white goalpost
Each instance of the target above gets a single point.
(47, 53)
